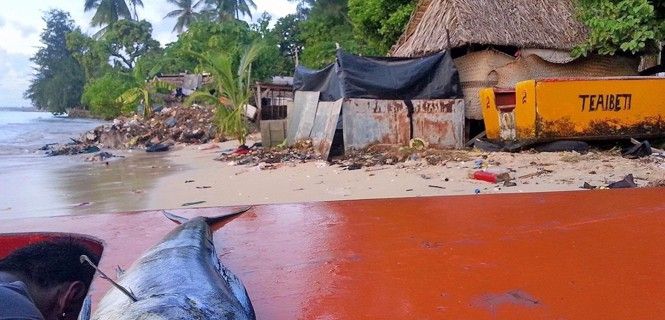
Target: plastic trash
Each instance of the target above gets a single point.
(490, 176)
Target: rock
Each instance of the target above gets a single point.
(90, 149)
(91, 136)
(354, 166)
(626, 182)
(170, 122)
(193, 135)
(509, 184)
(157, 148)
(588, 186)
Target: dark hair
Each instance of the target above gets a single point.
(51, 263)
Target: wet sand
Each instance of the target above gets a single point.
(36, 186)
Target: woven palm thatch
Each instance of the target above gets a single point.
(534, 67)
(442, 24)
(474, 70)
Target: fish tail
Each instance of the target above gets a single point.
(212, 221)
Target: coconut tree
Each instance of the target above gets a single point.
(185, 13)
(225, 9)
(142, 90)
(234, 90)
(107, 11)
(133, 4)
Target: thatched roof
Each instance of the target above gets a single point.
(440, 24)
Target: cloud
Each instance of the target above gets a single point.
(15, 75)
(26, 30)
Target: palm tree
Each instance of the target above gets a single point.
(134, 4)
(107, 11)
(185, 14)
(142, 91)
(235, 90)
(224, 9)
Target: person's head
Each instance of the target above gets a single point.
(54, 275)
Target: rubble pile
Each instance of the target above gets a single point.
(168, 126)
(301, 152)
(68, 149)
(390, 155)
(376, 155)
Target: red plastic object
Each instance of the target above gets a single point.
(10, 242)
(485, 176)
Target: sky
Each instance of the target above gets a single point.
(21, 24)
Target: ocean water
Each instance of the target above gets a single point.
(34, 185)
(22, 133)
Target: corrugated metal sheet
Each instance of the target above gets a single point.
(301, 116)
(325, 123)
(439, 122)
(368, 122)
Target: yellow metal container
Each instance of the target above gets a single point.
(542, 110)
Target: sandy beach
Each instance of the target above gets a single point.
(203, 182)
(189, 176)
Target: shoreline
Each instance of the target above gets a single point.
(189, 177)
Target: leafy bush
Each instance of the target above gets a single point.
(101, 95)
(621, 26)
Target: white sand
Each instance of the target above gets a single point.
(223, 183)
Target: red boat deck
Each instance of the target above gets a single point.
(571, 255)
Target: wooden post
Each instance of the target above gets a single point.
(258, 103)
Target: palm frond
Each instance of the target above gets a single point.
(174, 14)
(130, 96)
(90, 4)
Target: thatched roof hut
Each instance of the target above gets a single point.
(442, 24)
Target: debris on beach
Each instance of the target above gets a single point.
(189, 204)
(626, 182)
(102, 156)
(169, 126)
(255, 155)
(159, 147)
(75, 147)
(373, 156)
(380, 154)
(641, 150)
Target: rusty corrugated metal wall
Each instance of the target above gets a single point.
(439, 122)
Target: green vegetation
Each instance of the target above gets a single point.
(58, 82)
(234, 89)
(379, 22)
(142, 91)
(622, 26)
(101, 95)
(109, 72)
(185, 14)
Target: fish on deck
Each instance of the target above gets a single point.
(180, 278)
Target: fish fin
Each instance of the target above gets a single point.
(175, 218)
(86, 309)
(119, 272)
(222, 220)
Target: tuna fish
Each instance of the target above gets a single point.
(180, 278)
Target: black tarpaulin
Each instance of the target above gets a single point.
(386, 78)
